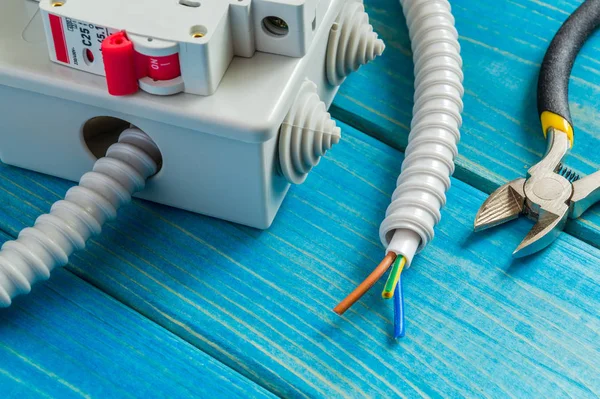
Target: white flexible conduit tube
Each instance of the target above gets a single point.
(429, 158)
(55, 236)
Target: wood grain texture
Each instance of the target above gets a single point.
(479, 324)
(503, 44)
(69, 340)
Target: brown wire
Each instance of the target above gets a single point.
(366, 284)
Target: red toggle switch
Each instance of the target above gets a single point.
(119, 64)
(124, 66)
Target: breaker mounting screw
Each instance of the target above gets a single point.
(276, 26)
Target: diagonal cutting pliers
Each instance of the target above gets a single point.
(551, 193)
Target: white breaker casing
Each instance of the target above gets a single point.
(205, 34)
(219, 151)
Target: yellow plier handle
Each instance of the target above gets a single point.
(553, 83)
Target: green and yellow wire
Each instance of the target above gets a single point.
(392, 289)
(393, 277)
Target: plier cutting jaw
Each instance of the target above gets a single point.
(551, 193)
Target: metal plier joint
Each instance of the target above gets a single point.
(551, 193)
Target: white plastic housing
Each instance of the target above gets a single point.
(219, 152)
(206, 34)
(302, 16)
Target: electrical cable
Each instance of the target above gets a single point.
(432, 143)
(56, 235)
(363, 287)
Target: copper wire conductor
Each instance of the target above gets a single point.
(363, 287)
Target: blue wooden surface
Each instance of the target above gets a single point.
(68, 339)
(503, 43)
(479, 324)
(219, 308)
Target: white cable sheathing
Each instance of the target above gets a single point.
(432, 143)
(306, 134)
(352, 43)
(48, 244)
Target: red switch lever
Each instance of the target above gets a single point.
(119, 64)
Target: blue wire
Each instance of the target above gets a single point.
(399, 327)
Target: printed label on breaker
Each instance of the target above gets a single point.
(78, 43)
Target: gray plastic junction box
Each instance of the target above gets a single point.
(219, 151)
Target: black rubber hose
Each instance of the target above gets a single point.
(553, 83)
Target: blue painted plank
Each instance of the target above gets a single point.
(68, 339)
(503, 43)
(479, 323)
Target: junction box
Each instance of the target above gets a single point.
(212, 82)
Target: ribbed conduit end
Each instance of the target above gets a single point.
(352, 43)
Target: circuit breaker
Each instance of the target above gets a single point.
(233, 92)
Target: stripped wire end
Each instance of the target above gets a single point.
(363, 287)
(394, 276)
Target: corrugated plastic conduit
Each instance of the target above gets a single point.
(432, 144)
(72, 221)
